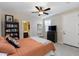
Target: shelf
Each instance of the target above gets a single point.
(12, 28)
(11, 22)
(11, 32)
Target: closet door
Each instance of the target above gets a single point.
(70, 29)
(77, 28)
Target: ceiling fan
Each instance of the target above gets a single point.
(41, 10)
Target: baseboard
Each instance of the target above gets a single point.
(70, 45)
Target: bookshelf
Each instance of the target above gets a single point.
(12, 28)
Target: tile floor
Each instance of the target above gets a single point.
(65, 50)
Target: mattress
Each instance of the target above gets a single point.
(33, 47)
(41, 40)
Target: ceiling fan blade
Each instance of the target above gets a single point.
(46, 13)
(47, 9)
(37, 7)
(35, 12)
(41, 8)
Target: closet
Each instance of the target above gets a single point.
(71, 28)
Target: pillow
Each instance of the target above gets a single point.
(13, 42)
(7, 48)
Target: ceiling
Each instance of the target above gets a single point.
(28, 7)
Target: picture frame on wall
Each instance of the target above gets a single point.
(9, 18)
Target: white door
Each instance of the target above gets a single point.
(70, 29)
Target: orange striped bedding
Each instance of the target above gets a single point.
(30, 47)
(7, 48)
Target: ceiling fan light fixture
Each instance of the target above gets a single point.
(41, 12)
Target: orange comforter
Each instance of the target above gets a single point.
(30, 47)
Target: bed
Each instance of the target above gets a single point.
(34, 46)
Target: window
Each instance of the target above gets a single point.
(47, 23)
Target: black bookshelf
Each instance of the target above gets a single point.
(12, 28)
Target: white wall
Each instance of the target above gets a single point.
(17, 16)
(33, 23)
(57, 20)
(0, 27)
(20, 17)
(3, 19)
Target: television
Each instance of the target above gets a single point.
(52, 28)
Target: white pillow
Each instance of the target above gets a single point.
(3, 54)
